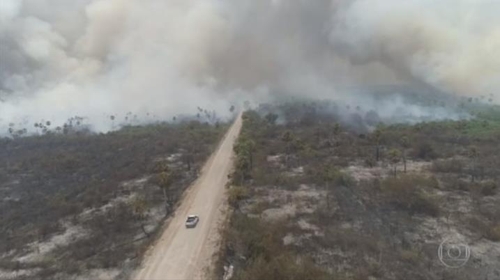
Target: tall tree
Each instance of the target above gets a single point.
(287, 138)
(336, 129)
(140, 208)
(191, 147)
(473, 154)
(245, 148)
(242, 169)
(336, 132)
(165, 181)
(405, 144)
(395, 157)
(377, 137)
(330, 175)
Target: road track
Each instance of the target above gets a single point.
(186, 254)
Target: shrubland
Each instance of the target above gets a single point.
(361, 200)
(88, 204)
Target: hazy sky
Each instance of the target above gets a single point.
(61, 58)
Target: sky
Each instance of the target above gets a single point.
(96, 58)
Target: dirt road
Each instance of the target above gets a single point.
(184, 254)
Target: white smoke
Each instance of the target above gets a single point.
(450, 44)
(96, 58)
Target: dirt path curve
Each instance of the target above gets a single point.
(184, 254)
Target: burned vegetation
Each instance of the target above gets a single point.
(316, 197)
(76, 203)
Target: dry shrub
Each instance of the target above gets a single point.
(261, 245)
(236, 194)
(370, 162)
(488, 188)
(488, 230)
(350, 241)
(284, 266)
(411, 193)
(424, 150)
(411, 256)
(494, 233)
(448, 166)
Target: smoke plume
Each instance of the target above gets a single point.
(97, 58)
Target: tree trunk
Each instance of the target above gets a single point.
(404, 161)
(287, 150)
(189, 160)
(164, 194)
(327, 197)
(377, 153)
(165, 198)
(144, 230)
(473, 171)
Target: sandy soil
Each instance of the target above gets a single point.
(183, 253)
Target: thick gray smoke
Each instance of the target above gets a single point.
(96, 58)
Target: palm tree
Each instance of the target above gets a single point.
(336, 128)
(298, 146)
(329, 175)
(405, 143)
(165, 181)
(473, 154)
(245, 148)
(250, 149)
(191, 148)
(377, 136)
(139, 207)
(242, 168)
(336, 131)
(112, 118)
(395, 157)
(288, 138)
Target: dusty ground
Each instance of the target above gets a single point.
(183, 253)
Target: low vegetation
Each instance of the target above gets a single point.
(89, 204)
(361, 200)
